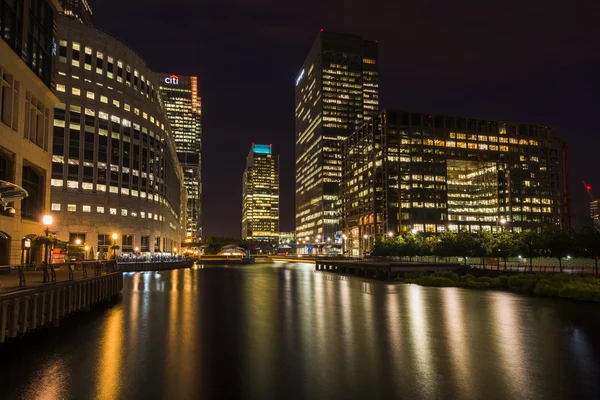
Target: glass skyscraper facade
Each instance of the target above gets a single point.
(184, 110)
(260, 195)
(337, 89)
(406, 171)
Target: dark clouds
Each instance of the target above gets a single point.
(520, 60)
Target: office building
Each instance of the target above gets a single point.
(79, 9)
(429, 173)
(114, 163)
(260, 195)
(26, 104)
(183, 106)
(336, 91)
(595, 212)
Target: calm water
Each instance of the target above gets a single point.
(278, 331)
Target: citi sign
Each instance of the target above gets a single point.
(172, 80)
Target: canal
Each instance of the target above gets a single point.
(275, 331)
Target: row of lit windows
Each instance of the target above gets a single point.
(123, 212)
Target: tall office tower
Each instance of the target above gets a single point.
(26, 103)
(79, 9)
(595, 213)
(114, 164)
(427, 173)
(260, 195)
(184, 111)
(336, 91)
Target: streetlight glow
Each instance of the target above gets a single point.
(47, 220)
(77, 242)
(391, 234)
(115, 236)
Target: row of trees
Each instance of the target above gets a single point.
(551, 242)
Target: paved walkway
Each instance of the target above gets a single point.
(9, 282)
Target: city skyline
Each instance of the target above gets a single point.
(453, 76)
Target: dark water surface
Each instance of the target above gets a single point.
(283, 331)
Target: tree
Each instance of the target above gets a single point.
(529, 243)
(504, 245)
(483, 244)
(588, 244)
(558, 243)
(464, 244)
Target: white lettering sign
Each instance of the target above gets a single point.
(172, 80)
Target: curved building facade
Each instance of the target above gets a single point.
(114, 164)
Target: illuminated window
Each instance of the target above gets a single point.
(86, 209)
(123, 212)
(113, 211)
(71, 207)
(75, 91)
(104, 99)
(60, 88)
(90, 95)
(55, 207)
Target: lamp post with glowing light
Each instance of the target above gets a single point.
(47, 221)
(366, 237)
(114, 238)
(344, 237)
(85, 255)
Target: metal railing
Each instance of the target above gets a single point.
(19, 277)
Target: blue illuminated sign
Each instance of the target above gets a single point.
(262, 149)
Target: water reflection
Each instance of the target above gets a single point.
(284, 331)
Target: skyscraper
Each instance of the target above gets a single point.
(184, 111)
(114, 164)
(408, 171)
(260, 194)
(336, 90)
(26, 103)
(79, 9)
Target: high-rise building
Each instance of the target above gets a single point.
(336, 91)
(26, 104)
(114, 164)
(260, 194)
(595, 212)
(184, 111)
(79, 9)
(430, 173)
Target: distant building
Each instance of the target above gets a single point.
(79, 9)
(260, 195)
(26, 107)
(595, 212)
(114, 164)
(431, 173)
(184, 111)
(337, 89)
(287, 237)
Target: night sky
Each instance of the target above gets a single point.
(532, 61)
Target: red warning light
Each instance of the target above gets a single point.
(321, 30)
(270, 145)
(588, 187)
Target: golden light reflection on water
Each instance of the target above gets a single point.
(110, 361)
(454, 322)
(509, 341)
(50, 383)
(181, 335)
(420, 341)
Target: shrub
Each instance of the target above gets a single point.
(523, 283)
(582, 289)
(478, 284)
(545, 288)
(448, 275)
(504, 281)
(496, 283)
(413, 275)
(438, 281)
(467, 278)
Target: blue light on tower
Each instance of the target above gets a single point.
(262, 148)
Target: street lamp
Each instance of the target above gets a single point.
(115, 237)
(86, 248)
(414, 231)
(47, 220)
(391, 234)
(174, 250)
(78, 241)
